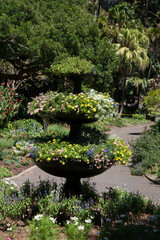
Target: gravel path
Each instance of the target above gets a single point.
(115, 176)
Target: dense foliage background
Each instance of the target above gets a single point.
(122, 43)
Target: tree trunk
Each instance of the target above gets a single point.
(123, 97)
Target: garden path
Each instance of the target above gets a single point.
(115, 176)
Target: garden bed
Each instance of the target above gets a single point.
(16, 170)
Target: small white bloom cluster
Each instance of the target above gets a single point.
(39, 217)
(75, 221)
(9, 227)
(106, 105)
(12, 184)
(23, 147)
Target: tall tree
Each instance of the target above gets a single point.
(37, 34)
(132, 48)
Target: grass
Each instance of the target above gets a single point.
(58, 129)
(128, 121)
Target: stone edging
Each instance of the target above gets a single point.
(155, 181)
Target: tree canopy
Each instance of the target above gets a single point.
(37, 34)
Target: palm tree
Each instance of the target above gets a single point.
(140, 84)
(154, 35)
(132, 49)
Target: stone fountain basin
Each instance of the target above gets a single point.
(71, 169)
(73, 117)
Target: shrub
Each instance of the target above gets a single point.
(43, 228)
(29, 126)
(12, 203)
(119, 201)
(9, 104)
(139, 116)
(146, 151)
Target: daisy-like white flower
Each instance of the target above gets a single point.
(81, 227)
(38, 217)
(88, 221)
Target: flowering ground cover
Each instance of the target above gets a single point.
(42, 212)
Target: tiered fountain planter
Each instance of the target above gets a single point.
(57, 164)
(72, 170)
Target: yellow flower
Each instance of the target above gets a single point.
(48, 159)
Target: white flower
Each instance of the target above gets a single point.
(75, 219)
(9, 229)
(88, 221)
(53, 219)
(122, 215)
(80, 227)
(68, 222)
(38, 217)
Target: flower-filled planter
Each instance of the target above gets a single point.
(65, 159)
(84, 107)
(74, 159)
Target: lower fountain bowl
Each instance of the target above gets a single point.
(71, 169)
